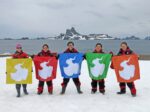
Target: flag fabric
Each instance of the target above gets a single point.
(19, 71)
(98, 65)
(126, 68)
(70, 64)
(45, 67)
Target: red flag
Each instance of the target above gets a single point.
(45, 67)
(126, 68)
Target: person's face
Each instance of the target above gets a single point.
(98, 48)
(70, 46)
(19, 49)
(45, 48)
(124, 47)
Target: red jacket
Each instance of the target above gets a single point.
(43, 53)
(126, 52)
(71, 51)
(101, 51)
(122, 52)
(20, 55)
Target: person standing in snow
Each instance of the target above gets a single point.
(125, 50)
(101, 83)
(76, 81)
(45, 52)
(17, 55)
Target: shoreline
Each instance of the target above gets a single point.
(141, 56)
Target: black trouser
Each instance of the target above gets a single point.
(49, 83)
(75, 80)
(101, 84)
(18, 86)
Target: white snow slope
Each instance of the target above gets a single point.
(73, 102)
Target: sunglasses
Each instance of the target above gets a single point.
(19, 47)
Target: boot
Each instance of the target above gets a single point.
(18, 93)
(40, 90)
(93, 91)
(18, 86)
(133, 92)
(122, 91)
(25, 90)
(79, 90)
(50, 89)
(63, 90)
(102, 91)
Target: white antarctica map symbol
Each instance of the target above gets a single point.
(98, 68)
(20, 74)
(72, 68)
(128, 70)
(46, 71)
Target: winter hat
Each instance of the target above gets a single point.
(18, 46)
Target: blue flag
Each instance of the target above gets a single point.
(70, 64)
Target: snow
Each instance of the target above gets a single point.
(73, 102)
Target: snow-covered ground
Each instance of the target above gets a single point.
(73, 102)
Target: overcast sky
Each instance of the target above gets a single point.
(38, 18)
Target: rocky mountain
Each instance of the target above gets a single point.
(131, 38)
(100, 36)
(147, 38)
(72, 34)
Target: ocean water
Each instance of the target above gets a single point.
(35, 46)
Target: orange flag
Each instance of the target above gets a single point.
(126, 68)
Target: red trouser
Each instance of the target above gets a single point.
(49, 85)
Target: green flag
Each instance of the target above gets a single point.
(98, 65)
